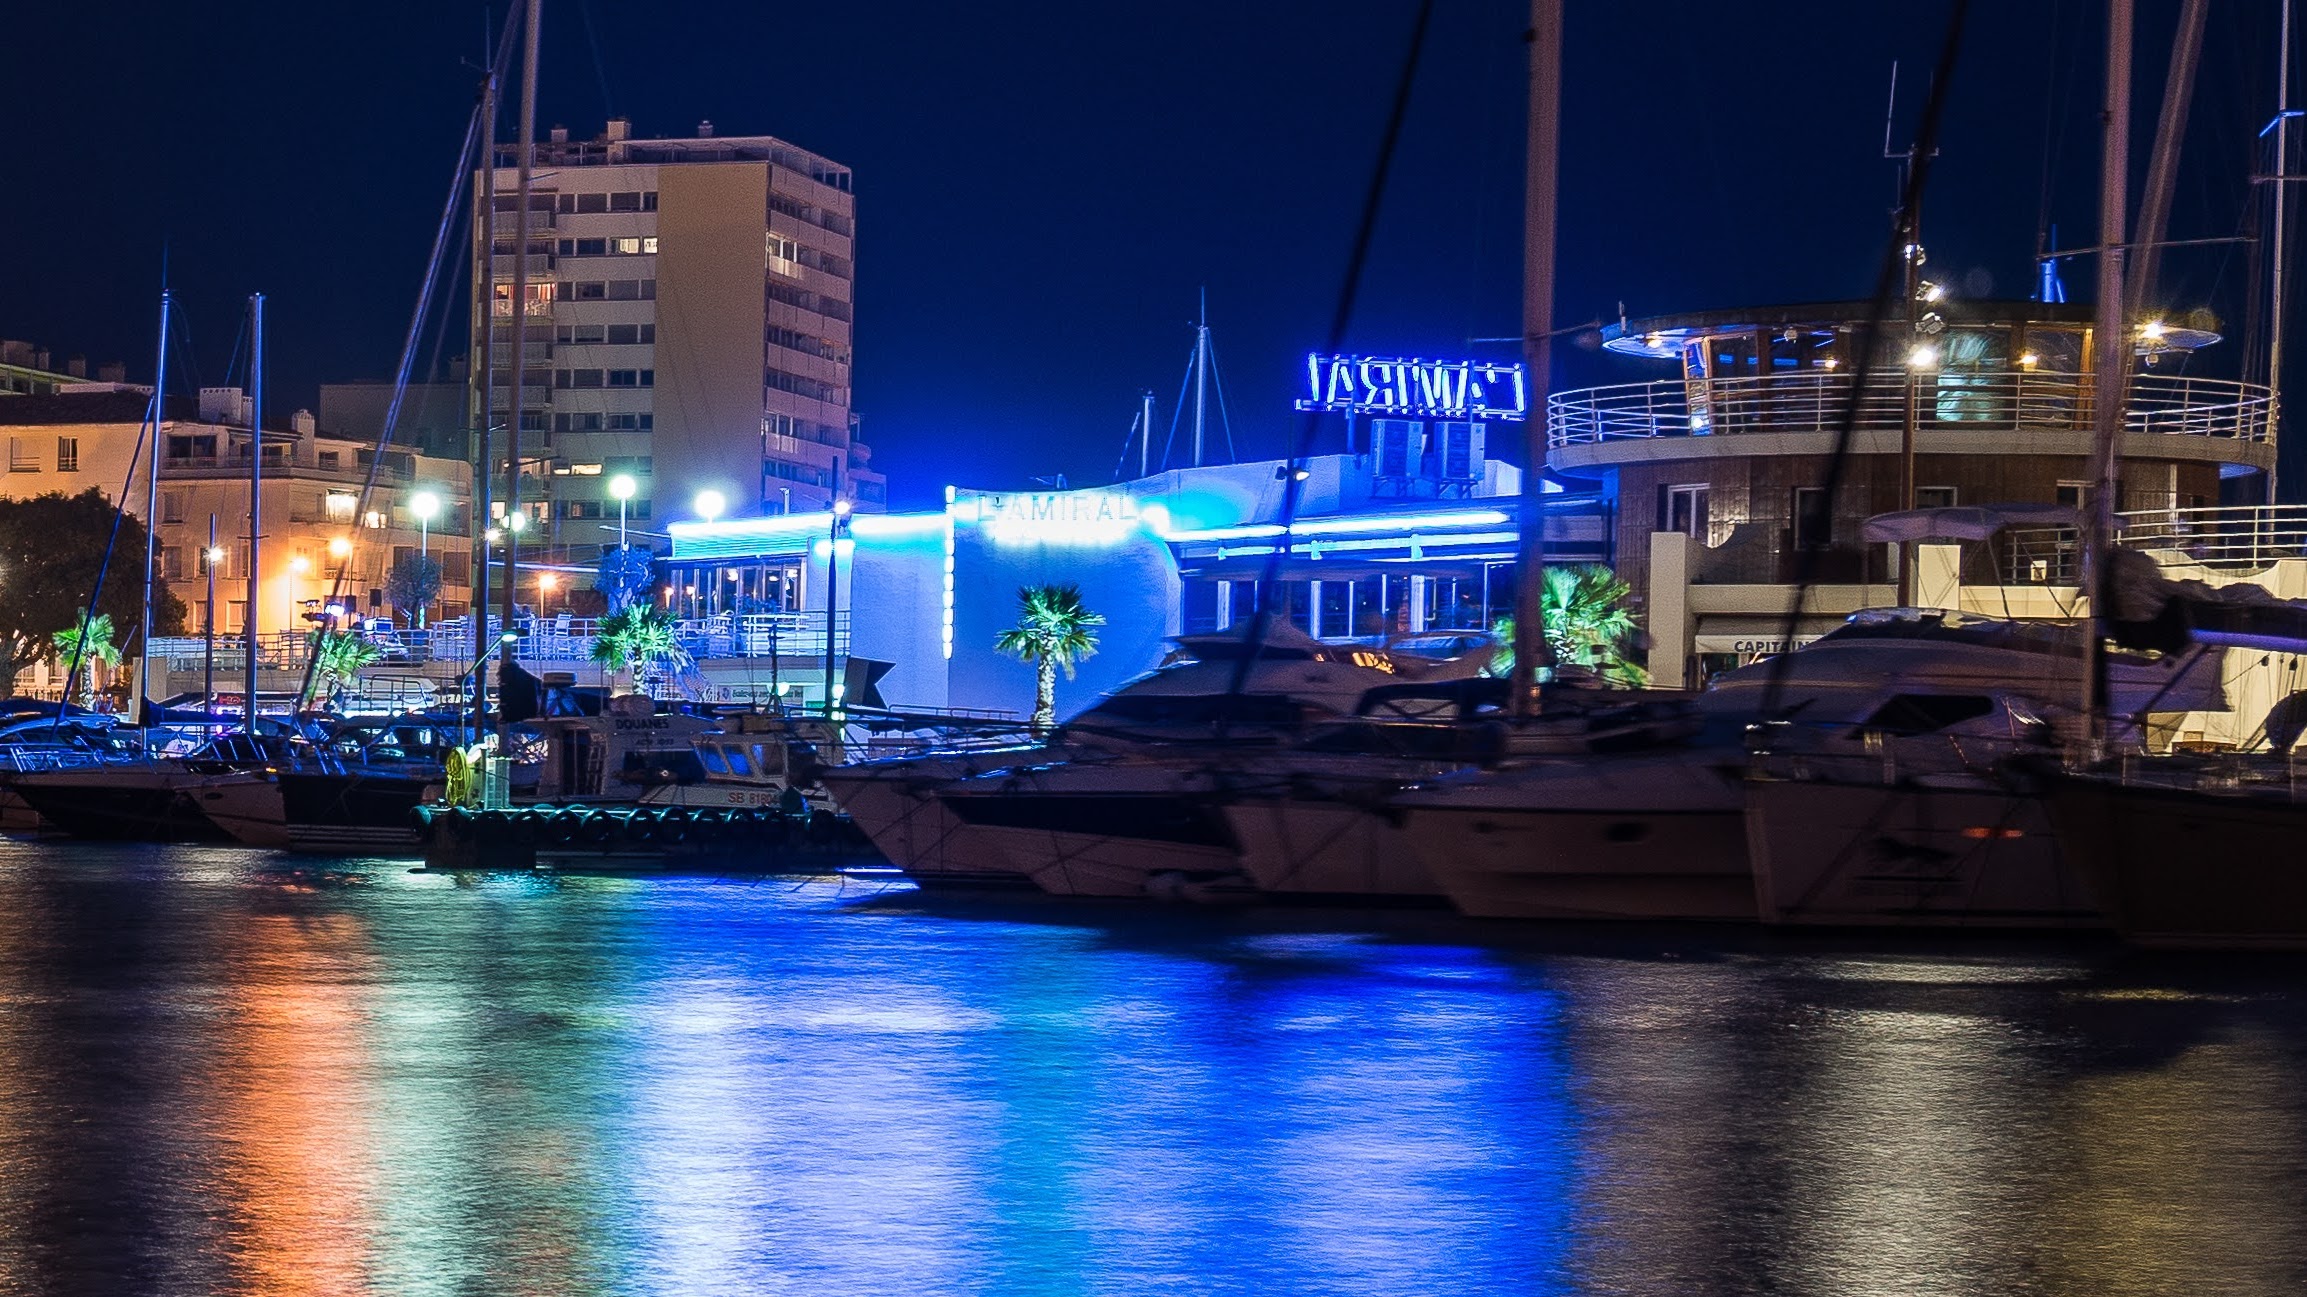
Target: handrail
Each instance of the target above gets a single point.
(1956, 400)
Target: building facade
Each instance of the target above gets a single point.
(1718, 469)
(688, 315)
(317, 522)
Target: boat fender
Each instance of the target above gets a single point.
(675, 829)
(600, 828)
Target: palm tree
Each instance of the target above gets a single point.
(87, 644)
(1587, 624)
(1053, 630)
(338, 656)
(636, 636)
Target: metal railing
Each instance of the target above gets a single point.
(540, 639)
(2242, 536)
(1957, 400)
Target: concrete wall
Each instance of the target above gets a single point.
(712, 222)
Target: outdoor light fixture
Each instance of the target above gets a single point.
(493, 535)
(215, 554)
(425, 505)
(2029, 360)
(2152, 330)
(300, 565)
(709, 504)
(840, 508)
(339, 547)
(517, 523)
(1923, 358)
(546, 581)
(622, 486)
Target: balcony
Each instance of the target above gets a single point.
(1804, 411)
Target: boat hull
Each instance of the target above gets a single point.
(245, 806)
(1101, 843)
(120, 804)
(2188, 868)
(1294, 846)
(1910, 854)
(895, 804)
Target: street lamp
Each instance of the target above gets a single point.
(426, 506)
(709, 504)
(215, 555)
(832, 582)
(622, 487)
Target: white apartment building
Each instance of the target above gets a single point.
(688, 323)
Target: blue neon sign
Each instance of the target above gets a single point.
(1416, 388)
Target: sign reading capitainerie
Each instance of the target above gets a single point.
(1414, 388)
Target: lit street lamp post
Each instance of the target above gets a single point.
(424, 504)
(832, 584)
(622, 487)
(214, 555)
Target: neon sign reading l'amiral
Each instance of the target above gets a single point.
(1058, 507)
(1416, 388)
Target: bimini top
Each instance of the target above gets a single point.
(1665, 337)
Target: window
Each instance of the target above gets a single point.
(592, 202)
(338, 505)
(628, 334)
(67, 454)
(2073, 494)
(580, 508)
(590, 292)
(629, 201)
(1923, 713)
(1934, 497)
(783, 254)
(639, 464)
(629, 247)
(624, 290)
(576, 423)
(577, 378)
(172, 506)
(533, 421)
(1683, 509)
(1813, 519)
(23, 455)
(643, 422)
(648, 200)
(331, 458)
(623, 377)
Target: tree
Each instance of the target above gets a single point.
(1587, 624)
(51, 548)
(413, 583)
(623, 576)
(84, 646)
(635, 637)
(1053, 630)
(338, 656)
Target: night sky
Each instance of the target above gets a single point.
(1043, 189)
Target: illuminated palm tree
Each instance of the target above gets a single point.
(1053, 630)
(1587, 624)
(87, 644)
(338, 656)
(635, 637)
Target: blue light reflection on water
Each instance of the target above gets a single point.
(224, 1072)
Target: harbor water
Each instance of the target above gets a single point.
(225, 1071)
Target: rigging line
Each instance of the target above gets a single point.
(1225, 420)
(1261, 617)
(2052, 141)
(600, 69)
(1886, 287)
(434, 273)
(1177, 411)
(103, 568)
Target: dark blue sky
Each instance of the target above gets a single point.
(1043, 188)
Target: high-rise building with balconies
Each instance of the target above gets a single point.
(688, 323)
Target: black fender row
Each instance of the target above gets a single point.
(631, 828)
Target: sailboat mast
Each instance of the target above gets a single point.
(1201, 375)
(1531, 652)
(248, 623)
(484, 372)
(1145, 434)
(2110, 356)
(520, 374)
(152, 512)
(2282, 189)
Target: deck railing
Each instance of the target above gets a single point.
(541, 639)
(1947, 400)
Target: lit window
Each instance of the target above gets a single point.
(585, 470)
(67, 454)
(339, 506)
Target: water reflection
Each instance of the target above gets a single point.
(219, 1073)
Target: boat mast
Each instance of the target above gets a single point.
(1145, 434)
(520, 375)
(1201, 375)
(152, 515)
(2282, 243)
(248, 623)
(1532, 654)
(482, 379)
(2110, 359)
